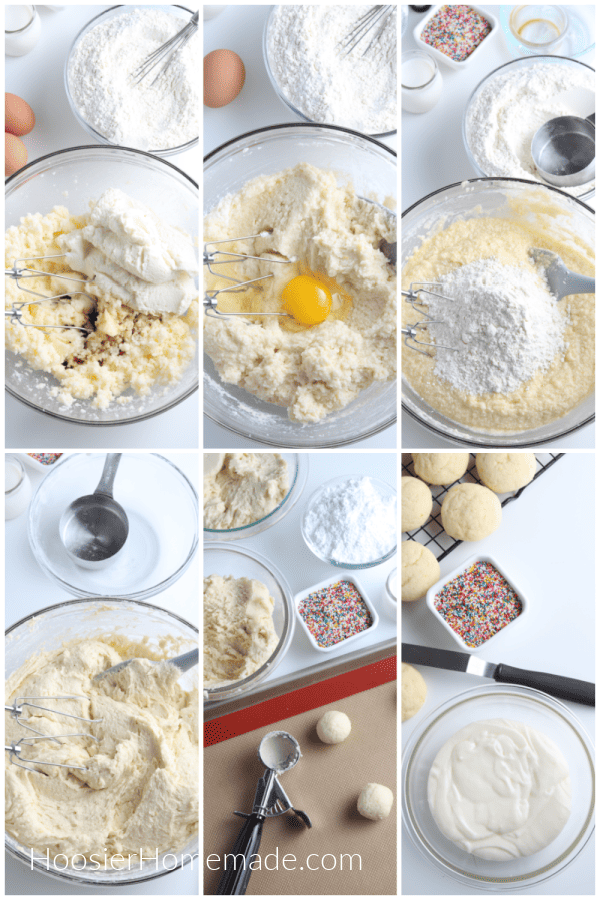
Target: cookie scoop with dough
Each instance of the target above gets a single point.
(414, 691)
(470, 512)
(420, 570)
(503, 472)
(440, 468)
(417, 503)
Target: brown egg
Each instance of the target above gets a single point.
(224, 76)
(19, 118)
(15, 154)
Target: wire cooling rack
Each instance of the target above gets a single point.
(432, 533)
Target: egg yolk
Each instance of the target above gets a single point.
(307, 300)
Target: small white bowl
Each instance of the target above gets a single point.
(441, 57)
(433, 591)
(341, 576)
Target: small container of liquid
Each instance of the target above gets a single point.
(421, 82)
(390, 592)
(541, 29)
(17, 488)
(22, 29)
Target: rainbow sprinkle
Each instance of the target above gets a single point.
(478, 604)
(46, 459)
(335, 613)
(456, 31)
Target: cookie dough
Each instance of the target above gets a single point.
(503, 472)
(124, 349)
(329, 233)
(246, 488)
(417, 503)
(414, 691)
(470, 512)
(440, 468)
(420, 570)
(569, 380)
(139, 785)
(333, 727)
(375, 801)
(239, 632)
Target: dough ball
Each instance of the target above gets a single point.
(417, 503)
(375, 801)
(420, 570)
(440, 468)
(470, 512)
(503, 472)
(333, 727)
(414, 691)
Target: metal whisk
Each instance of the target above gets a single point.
(410, 332)
(19, 272)
(15, 748)
(166, 52)
(372, 21)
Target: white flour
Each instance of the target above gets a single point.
(357, 92)
(504, 322)
(145, 116)
(509, 110)
(352, 522)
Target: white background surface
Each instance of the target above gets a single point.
(38, 77)
(284, 545)
(28, 589)
(546, 542)
(433, 156)
(240, 28)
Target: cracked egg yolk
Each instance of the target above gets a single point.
(307, 300)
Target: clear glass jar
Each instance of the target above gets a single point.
(17, 488)
(22, 29)
(421, 82)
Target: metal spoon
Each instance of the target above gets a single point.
(94, 528)
(561, 281)
(184, 662)
(564, 150)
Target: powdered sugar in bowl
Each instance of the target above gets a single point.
(351, 522)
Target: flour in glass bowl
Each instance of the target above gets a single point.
(353, 91)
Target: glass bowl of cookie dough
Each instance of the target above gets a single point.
(548, 218)
(371, 167)
(520, 704)
(241, 562)
(152, 632)
(71, 179)
(297, 473)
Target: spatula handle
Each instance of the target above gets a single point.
(555, 685)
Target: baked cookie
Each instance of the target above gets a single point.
(417, 503)
(503, 472)
(440, 468)
(420, 570)
(414, 691)
(470, 512)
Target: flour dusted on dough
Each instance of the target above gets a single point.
(247, 487)
(140, 787)
(239, 632)
(327, 228)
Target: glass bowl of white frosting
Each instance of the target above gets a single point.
(73, 178)
(297, 471)
(112, 108)
(163, 635)
(552, 215)
(497, 137)
(236, 561)
(520, 705)
(162, 509)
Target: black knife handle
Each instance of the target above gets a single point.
(234, 879)
(555, 685)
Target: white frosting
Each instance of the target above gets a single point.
(500, 789)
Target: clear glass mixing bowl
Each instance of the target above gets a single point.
(47, 629)
(72, 178)
(479, 198)
(372, 167)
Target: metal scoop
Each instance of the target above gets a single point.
(279, 752)
(561, 281)
(94, 528)
(564, 150)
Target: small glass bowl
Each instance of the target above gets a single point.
(492, 702)
(386, 491)
(162, 508)
(278, 90)
(241, 562)
(298, 473)
(179, 12)
(539, 39)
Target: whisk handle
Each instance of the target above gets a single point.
(234, 881)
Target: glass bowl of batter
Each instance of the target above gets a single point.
(519, 704)
(371, 167)
(72, 178)
(145, 630)
(241, 562)
(297, 464)
(501, 219)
